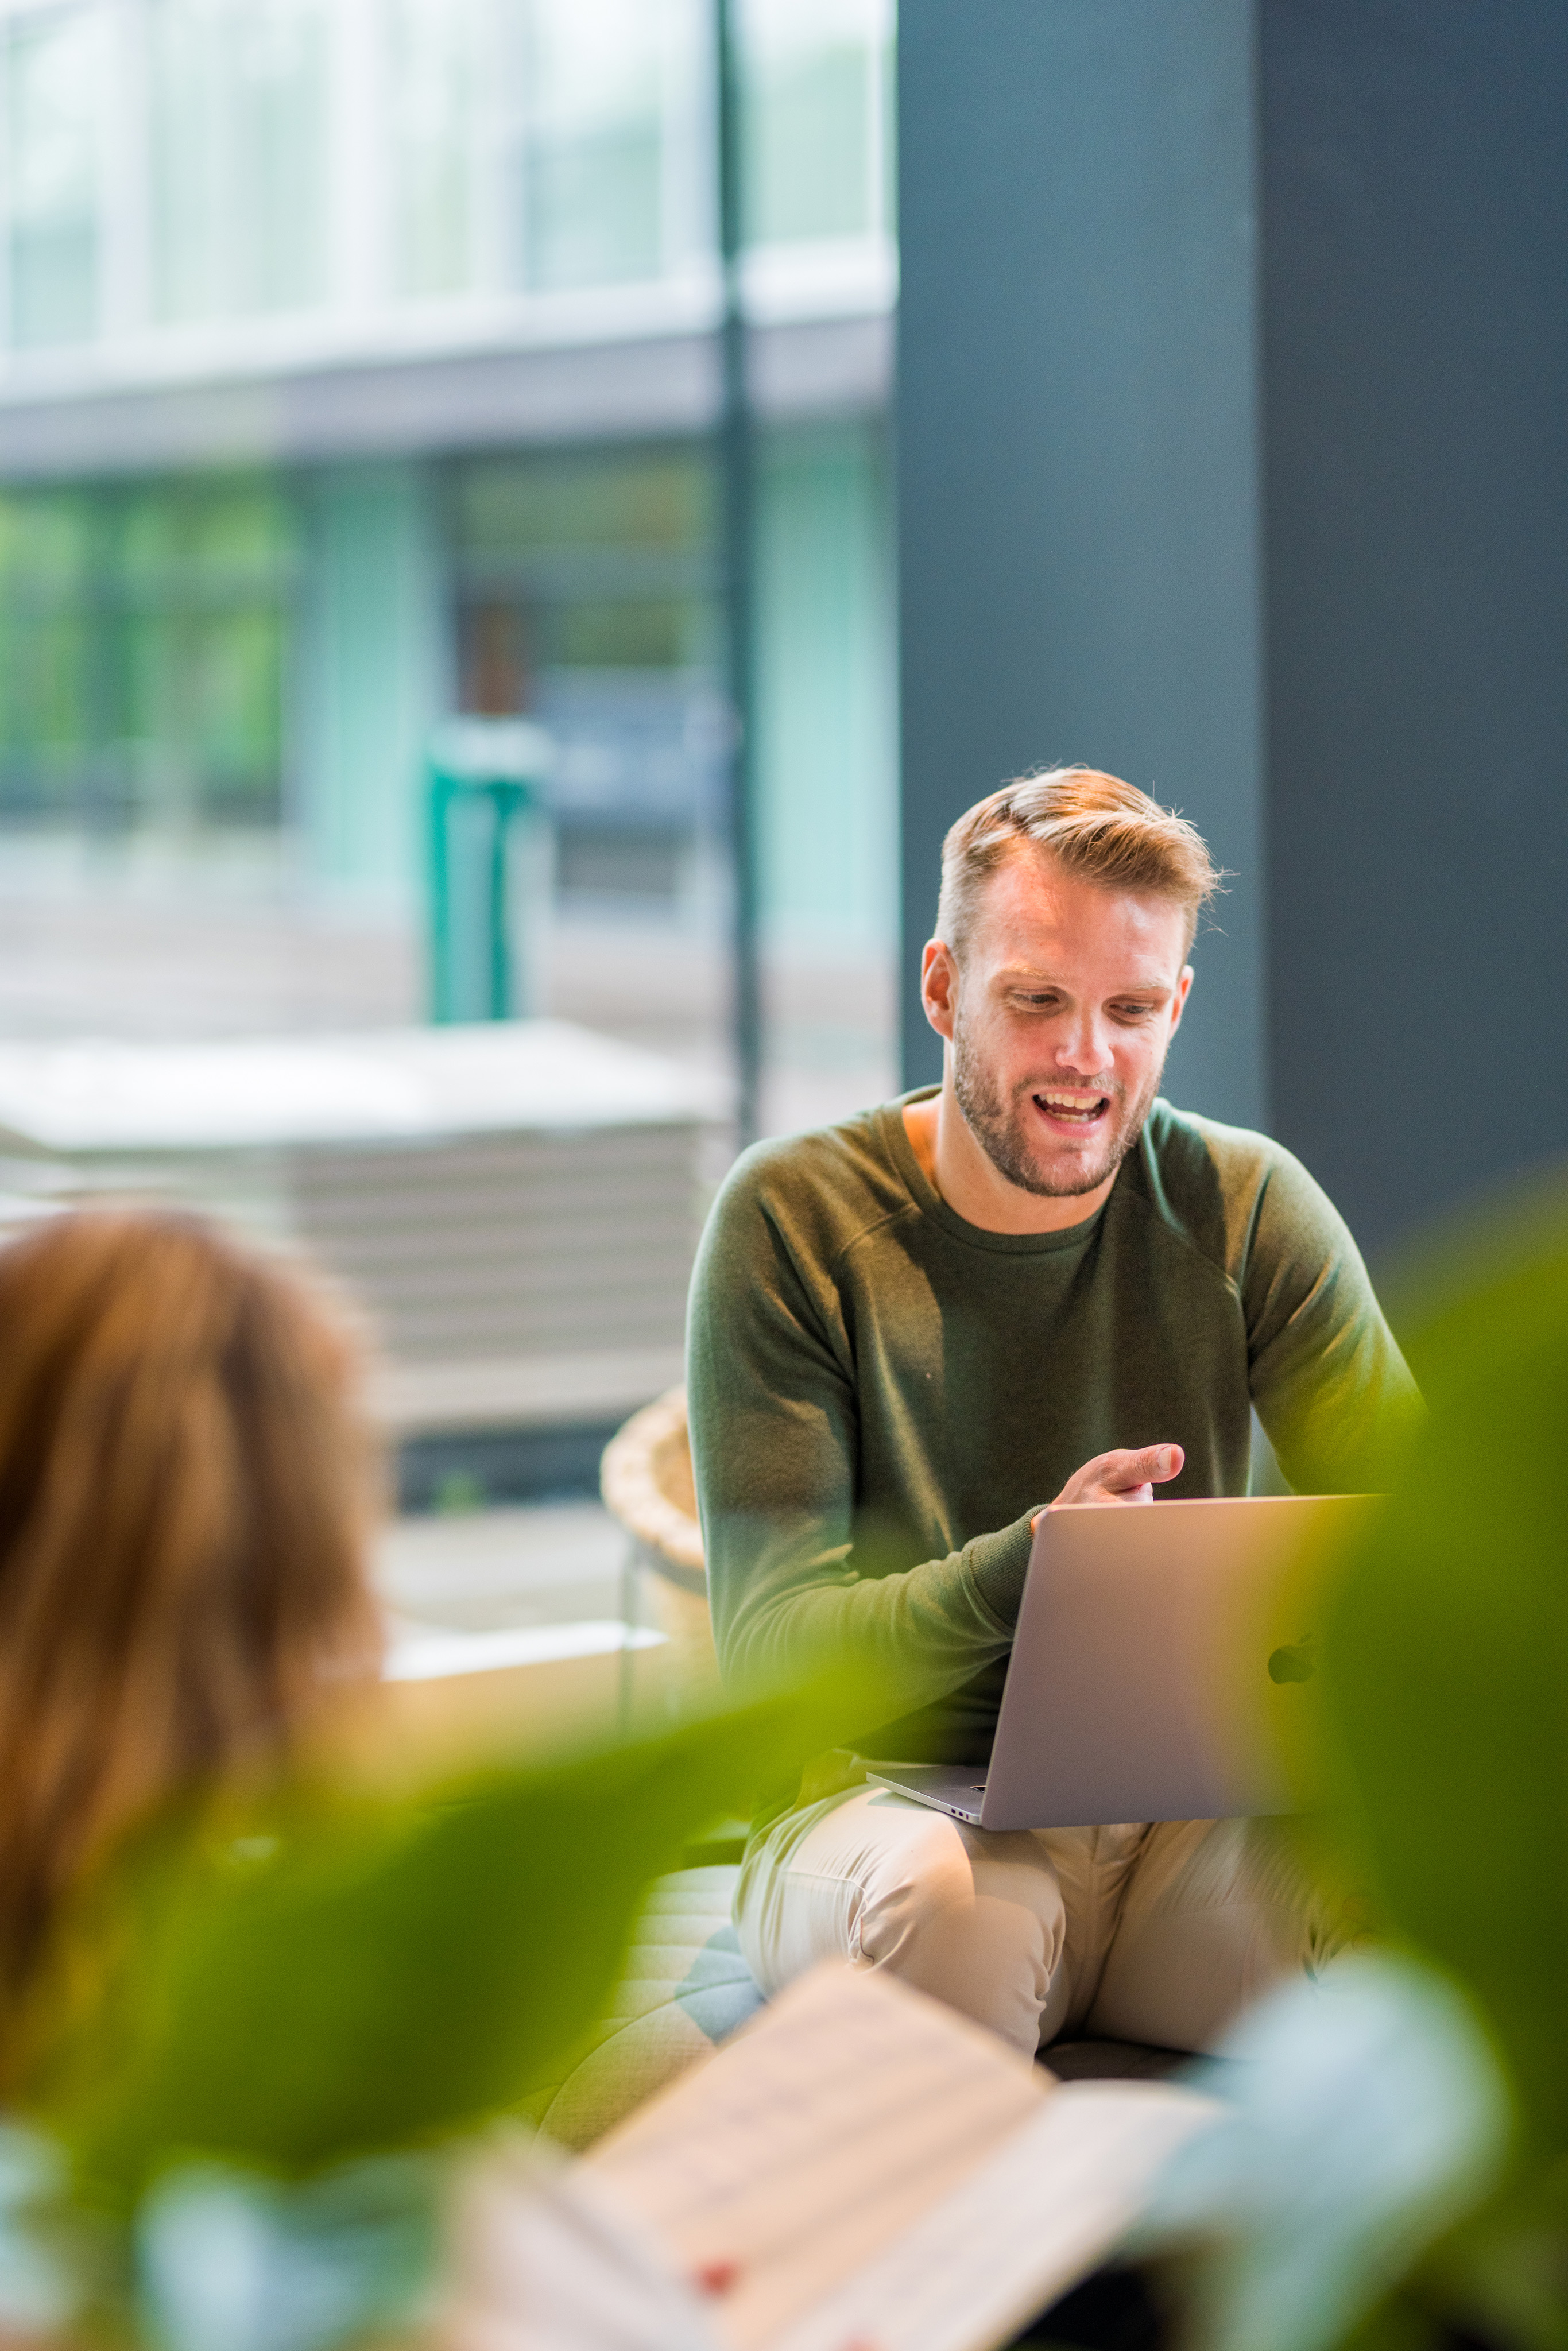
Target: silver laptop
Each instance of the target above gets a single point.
(1159, 1672)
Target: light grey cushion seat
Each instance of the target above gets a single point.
(685, 1987)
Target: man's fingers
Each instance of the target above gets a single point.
(1153, 1467)
(1117, 1473)
(1114, 1475)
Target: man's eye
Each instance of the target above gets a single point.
(1131, 1012)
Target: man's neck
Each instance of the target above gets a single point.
(975, 1188)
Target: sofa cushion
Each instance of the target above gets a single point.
(684, 1988)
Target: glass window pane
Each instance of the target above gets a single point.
(239, 155)
(45, 688)
(547, 505)
(815, 71)
(585, 594)
(433, 74)
(142, 645)
(580, 562)
(593, 194)
(205, 571)
(214, 539)
(205, 696)
(44, 548)
(52, 86)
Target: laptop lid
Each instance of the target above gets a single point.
(1159, 1672)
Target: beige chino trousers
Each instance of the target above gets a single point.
(1159, 1932)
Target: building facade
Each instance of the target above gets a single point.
(358, 368)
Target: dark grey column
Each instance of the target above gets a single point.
(1415, 350)
(1077, 445)
(1128, 434)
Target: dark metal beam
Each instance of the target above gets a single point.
(737, 498)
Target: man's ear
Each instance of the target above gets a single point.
(939, 985)
(1182, 989)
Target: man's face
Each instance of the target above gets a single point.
(1059, 1019)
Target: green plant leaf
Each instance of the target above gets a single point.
(345, 1979)
(1446, 1665)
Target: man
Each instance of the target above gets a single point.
(911, 1331)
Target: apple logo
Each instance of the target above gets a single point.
(1298, 1663)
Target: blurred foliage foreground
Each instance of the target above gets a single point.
(1395, 2172)
(273, 2037)
(269, 2037)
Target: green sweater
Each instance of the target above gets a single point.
(881, 1393)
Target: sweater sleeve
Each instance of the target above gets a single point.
(796, 1583)
(1328, 1381)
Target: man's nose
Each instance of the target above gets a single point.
(1083, 1046)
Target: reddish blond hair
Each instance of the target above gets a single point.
(1094, 824)
(185, 1503)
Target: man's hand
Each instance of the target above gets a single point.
(1122, 1477)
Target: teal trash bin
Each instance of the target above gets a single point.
(489, 855)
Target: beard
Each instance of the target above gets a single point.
(1001, 1125)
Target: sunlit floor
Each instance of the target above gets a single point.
(480, 1571)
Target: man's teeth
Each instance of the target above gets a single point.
(1071, 1105)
